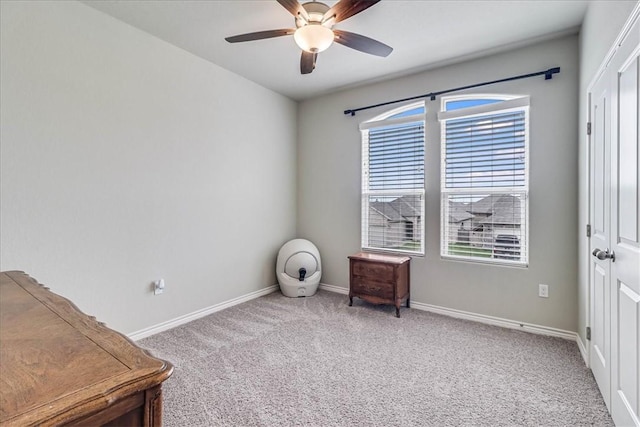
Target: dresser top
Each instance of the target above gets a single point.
(389, 259)
(57, 363)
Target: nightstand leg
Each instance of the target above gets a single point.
(350, 301)
(408, 306)
(397, 311)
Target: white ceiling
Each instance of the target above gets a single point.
(424, 34)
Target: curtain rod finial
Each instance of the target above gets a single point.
(550, 72)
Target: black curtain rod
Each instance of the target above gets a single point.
(548, 74)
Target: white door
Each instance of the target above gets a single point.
(615, 242)
(625, 233)
(599, 201)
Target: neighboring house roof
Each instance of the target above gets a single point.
(407, 206)
(505, 209)
(501, 209)
(494, 209)
(459, 212)
(385, 210)
(483, 206)
(404, 208)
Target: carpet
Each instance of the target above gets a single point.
(278, 361)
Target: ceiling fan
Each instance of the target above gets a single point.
(314, 30)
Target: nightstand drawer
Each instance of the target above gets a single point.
(373, 271)
(362, 285)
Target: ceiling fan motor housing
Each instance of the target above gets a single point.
(315, 10)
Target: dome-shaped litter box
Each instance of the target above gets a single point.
(298, 268)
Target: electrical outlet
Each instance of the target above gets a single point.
(158, 287)
(543, 291)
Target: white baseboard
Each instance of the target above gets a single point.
(583, 350)
(497, 321)
(334, 288)
(490, 320)
(169, 324)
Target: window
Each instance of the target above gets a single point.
(393, 181)
(485, 178)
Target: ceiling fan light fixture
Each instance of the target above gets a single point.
(313, 37)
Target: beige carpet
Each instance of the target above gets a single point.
(278, 361)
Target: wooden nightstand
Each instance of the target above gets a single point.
(379, 279)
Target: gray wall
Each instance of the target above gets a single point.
(602, 24)
(329, 187)
(125, 159)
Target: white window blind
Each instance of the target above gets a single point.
(484, 181)
(393, 182)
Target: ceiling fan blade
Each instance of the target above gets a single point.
(294, 7)
(347, 8)
(362, 43)
(260, 35)
(307, 62)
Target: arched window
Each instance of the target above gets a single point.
(485, 178)
(393, 180)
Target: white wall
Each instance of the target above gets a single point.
(125, 159)
(602, 23)
(329, 189)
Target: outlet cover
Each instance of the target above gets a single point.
(158, 287)
(543, 291)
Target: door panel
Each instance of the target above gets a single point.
(600, 166)
(599, 337)
(628, 154)
(599, 212)
(625, 239)
(626, 373)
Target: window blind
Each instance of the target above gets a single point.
(486, 151)
(396, 157)
(393, 186)
(484, 185)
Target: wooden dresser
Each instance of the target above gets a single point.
(379, 279)
(59, 366)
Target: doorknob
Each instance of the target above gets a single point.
(602, 255)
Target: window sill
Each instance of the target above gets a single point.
(393, 252)
(487, 261)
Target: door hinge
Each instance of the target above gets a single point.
(588, 128)
(588, 230)
(588, 333)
